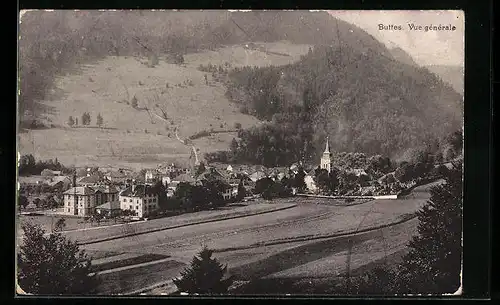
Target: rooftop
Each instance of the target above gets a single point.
(183, 178)
(105, 188)
(80, 190)
(139, 191)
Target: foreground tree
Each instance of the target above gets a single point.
(53, 265)
(204, 276)
(434, 262)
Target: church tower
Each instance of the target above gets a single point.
(326, 159)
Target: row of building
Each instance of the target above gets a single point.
(106, 193)
(108, 199)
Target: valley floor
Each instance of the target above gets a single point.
(310, 240)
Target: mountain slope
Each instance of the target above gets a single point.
(453, 75)
(141, 136)
(402, 56)
(363, 101)
(53, 41)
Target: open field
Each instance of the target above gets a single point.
(280, 244)
(160, 224)
(134, 137)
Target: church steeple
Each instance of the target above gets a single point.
(327, 148)
(326, 162)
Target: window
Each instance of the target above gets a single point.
(136, 207)
(68, 210)
(130, 207)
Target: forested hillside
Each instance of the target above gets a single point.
(51, 42)
(454, 75)
(363, 101)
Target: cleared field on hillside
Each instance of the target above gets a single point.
(133, 136)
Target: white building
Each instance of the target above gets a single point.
(139, 198)
(79, 201)
(326, 158)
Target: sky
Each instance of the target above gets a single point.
(426, 48)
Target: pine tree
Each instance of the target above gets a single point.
(434, 262)
(71, 121)
(53, 265)
(299, 181)
(99, 120)
(204, 276)
(201, 169)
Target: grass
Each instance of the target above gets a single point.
(128, 262)
(115, 79)
(157, 224)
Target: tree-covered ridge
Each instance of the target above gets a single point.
(362, 100)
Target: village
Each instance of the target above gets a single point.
(97, 195)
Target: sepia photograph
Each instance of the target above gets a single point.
(240, 153)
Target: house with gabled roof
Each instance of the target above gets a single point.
(105, 193)
(257, 176)
(61, 182)
(212, 173)
(79, 201)
(142, 199)
(90, 180)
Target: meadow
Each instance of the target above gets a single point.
(169, 97)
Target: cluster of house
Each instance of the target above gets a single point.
(107, 193)
(114, 191)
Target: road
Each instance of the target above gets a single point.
(295, 242)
